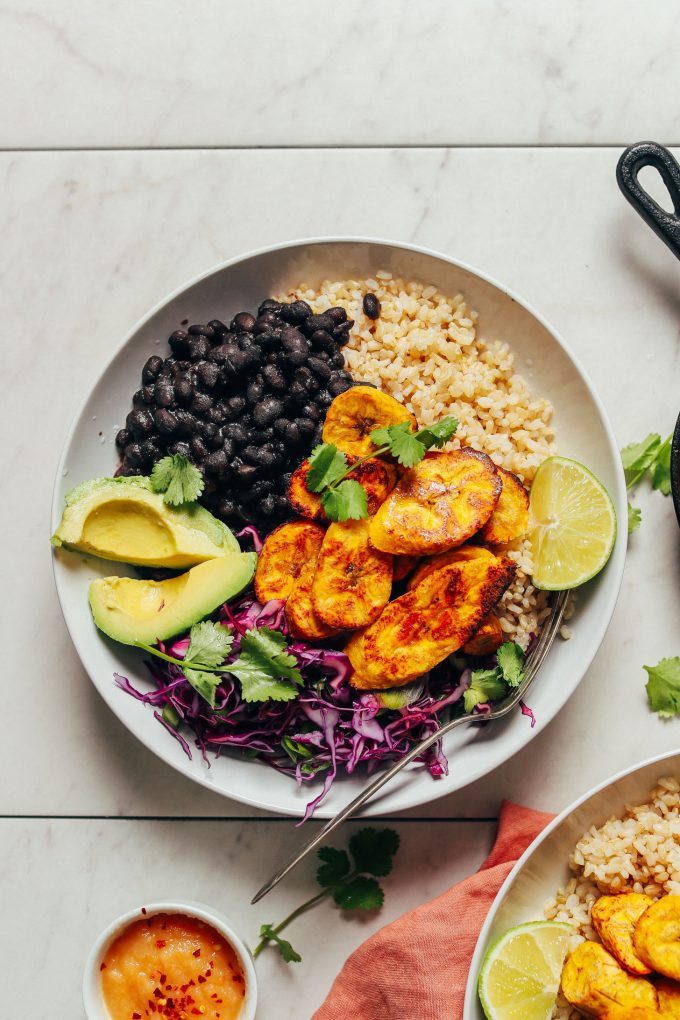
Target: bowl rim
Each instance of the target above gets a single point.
(95, 1009)
(482, 938)
(410, 797)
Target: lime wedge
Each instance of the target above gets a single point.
(573, 524)
(520, 975)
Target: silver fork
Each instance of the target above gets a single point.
(532, 665)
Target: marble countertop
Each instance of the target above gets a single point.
(140, 146)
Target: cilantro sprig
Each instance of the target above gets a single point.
(652, 457)
(488, 685)
(663, 687)
(177, 479)
(349, 877)
(267, 671)
(344, 498)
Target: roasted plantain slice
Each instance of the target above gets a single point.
(669, 998)
(377, 476)
(510, 519)
(354, 414)
(431, 621)
(462, 554)
(353, 581)
(487, 639)
(614, 919)
(657, 937)
(302, 620)
(595, 982)
(283, 556)
(403, 565)
(438, 504)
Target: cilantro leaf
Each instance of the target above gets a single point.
(335, 866)
(209, 644)
(634, 518)
(401, 441)
(288, 954)
(663, 687)
(510, 661)
(486, 685)
(205, 683)
(638, 457)
(178, 479)
(266, 670)
(373, 850)
(661, 470)
(361, 893)
(347, 502)
(326, 465)
(439, 433)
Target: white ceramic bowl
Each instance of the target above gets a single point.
(541, 356)
(543, 868)
(93, 1000)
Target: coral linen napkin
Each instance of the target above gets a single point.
(416, 968)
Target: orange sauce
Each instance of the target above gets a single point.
(172, 966)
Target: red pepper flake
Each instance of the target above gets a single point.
(161, 943)
(195, 1012)
(102, 966)
(144, 910)
(238, 978)
(183, 988)
(158, 993)
(163, 978)
(136, 1016)
(196, 953)
(208, 973)
(201, 979)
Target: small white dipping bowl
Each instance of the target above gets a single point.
(93, 999)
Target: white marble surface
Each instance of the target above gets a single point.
(445, 115)
(337, 72)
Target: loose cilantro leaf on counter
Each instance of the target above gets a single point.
(663, 687)
(346, 877)
(266, 670)
(347, 502)
(178, 479)
(326, 465)
(651, 456)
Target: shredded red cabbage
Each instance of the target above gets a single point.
(327, 730)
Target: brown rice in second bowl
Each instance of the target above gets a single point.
(425, 351)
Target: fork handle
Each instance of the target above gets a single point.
(367, 794)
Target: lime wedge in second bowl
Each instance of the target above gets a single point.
(573, 524)
(520, 975)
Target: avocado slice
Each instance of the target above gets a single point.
(122, 519)
(133, 611)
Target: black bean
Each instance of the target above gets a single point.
(147, 395)
(320, 368)
(312, 412)
(133, 455)
(199, 348)
(227, 445)
(226, 508)
(266, 411)
(274, 378)
(179, 368)
(337, 314)
(239, 361)
(207, 374)
(151, 369)
(260, 436)
(223, 354)
(254, 392)
(198, 448)
(123, 437)
(237, 433)
(164, 393)
(292, 434)
(184, 391)
(341, 333)
(337, 360)
(138, 398)
(305, 378)
(371, 306)
(201, 404)
(323, 399)
(187, 425)
(265, 322)
(270, 305)
(246, 473)
(262, 487)
(165, 421)
(267, 506)
(140, 423)
(269, 340)
(298, 392)
(201, 330)
(338, 384)
(151, 451)
(214, 441)
(322, 340)
(207, 430)
(318, 434)
(217, 462)
(181, 448)
(297, 311)
(237, 405)
(218, 326)
(243, 322)
(216, 414)
(179, 343)
(324, 321)
(305, 426)
(280, 426)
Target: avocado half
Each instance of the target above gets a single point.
(122, 519)
(133, 611)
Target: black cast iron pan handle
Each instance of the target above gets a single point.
(666, 225)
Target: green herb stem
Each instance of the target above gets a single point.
(182, 663)
(352, 467)
(303, 908)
